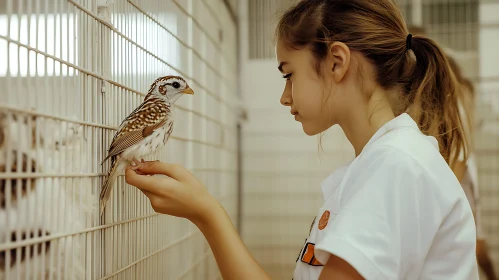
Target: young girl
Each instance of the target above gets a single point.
(396, 211)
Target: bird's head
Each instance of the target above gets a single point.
(169, 88)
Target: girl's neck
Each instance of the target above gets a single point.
(361, 125)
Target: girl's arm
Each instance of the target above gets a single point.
(182, 195)
(232, 256)
(337, 268)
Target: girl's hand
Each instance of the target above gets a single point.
(180, 194)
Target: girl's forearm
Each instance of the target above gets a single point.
(232, 256)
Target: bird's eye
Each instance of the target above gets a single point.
(176, 84)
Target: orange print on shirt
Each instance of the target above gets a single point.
(324, 220)
(308, 255)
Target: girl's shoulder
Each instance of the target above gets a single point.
(403, 162)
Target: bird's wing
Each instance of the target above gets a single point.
(138, 125)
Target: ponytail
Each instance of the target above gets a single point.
(436, 96)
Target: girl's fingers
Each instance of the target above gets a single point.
(174, 171)
(143, 182)
(140, 173)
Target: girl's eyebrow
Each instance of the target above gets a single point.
(281, 65)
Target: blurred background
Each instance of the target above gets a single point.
(72, 70)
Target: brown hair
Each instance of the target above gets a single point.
(467, 96)
(377, 30)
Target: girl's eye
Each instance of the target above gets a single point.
(287, 76)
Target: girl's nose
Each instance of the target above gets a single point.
(286, 99)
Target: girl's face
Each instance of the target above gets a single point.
(312, 98)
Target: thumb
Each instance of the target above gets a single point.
(175, 171)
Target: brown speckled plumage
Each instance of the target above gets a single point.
(139, 124)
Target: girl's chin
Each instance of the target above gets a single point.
(310, 131)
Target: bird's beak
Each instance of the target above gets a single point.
(188, 90)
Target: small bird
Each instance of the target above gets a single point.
(145, 130)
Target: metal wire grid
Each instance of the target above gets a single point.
(453, 23)
(262, 16)
(73, 71)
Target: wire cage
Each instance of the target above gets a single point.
(70, 72)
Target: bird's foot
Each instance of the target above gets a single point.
(135, 164)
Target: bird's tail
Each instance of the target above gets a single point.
(116, 166)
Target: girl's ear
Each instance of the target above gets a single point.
(338, 60)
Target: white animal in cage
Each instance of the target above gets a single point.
(145, 130)
(31, 207)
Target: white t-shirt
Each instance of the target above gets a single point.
(397, 211)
